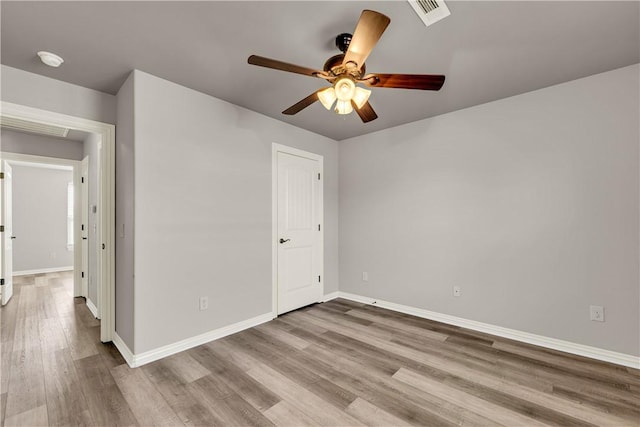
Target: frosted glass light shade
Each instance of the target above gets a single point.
(361, 96)
(345, 89)
(327, 97)
(343, 107)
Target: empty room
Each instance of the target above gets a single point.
(320, 213)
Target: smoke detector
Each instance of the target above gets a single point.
(430, 11)
(50, 59)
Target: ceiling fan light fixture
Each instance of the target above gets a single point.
(327, 97)
(361, 96)
(345, 88)
(343, 107)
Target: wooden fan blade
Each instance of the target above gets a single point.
(366, 113)
(367, 33)
(301, 105)
(405, 81)
(283, 66)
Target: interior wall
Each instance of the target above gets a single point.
(33, 90)
(40, 145)
(90, 149)
(125, 191)
(203, 210)
(529, 204)
(40, 218)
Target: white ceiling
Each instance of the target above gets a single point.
(487, 50)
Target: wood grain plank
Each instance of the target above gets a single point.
(106, 402)
(173, 388)
(145, 401)
(316, 408)
(223, 401)
(285, 414)
(66, 403)
(26, 389)
(371, 415)
(235, 378)
(32, 418)
(483, 407)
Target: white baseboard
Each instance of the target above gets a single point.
(526, 337)
(124, 350)
(135, 360)
(42, 271)
(92, 308)
(332, 295)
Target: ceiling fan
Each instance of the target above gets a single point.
(346, 70)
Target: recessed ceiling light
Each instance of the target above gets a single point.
(50, 59)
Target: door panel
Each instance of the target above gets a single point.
(299, 239)
(7, 236)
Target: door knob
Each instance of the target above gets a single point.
(84, 238)
(13, 237)
(284, 241)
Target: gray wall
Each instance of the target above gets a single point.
(529, 204)
(40, 218)
(39, 145)
(33, 90)
(125, 190)
(90, 148)
(203, 210)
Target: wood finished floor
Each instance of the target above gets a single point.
(333, 364)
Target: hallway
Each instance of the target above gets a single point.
(52, 358)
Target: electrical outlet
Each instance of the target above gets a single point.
(596, 313)
(365, 276)
(457, 291)
(204, 303)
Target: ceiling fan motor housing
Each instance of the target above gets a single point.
(342, 41)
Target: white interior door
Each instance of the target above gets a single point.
(299, 235)
(7, 236)
(84, 228)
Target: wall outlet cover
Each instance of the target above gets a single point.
(457, 291)
(596, 313)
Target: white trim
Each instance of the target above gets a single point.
(124, 350)
(92, 308)
(40, 161)
(526, 337)
(42, 271)
(275, 149)
(106, 262)
(332, 295)
(136, 360)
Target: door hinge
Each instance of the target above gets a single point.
(318, 227)
(1, 175)
(103, 246)
(1, 228)
(82, 179)
(318, 279)
(82, 227)
(318, 176)
(83, 274)
(1, 282)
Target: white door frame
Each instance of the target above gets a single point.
(106, 191)
(275, 149)
(15, 159)
(84, 215)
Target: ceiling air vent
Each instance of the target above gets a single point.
(32, 127)
(430, 11)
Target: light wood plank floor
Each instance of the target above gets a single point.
(334, 364)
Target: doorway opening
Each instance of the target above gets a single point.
(98, 225)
